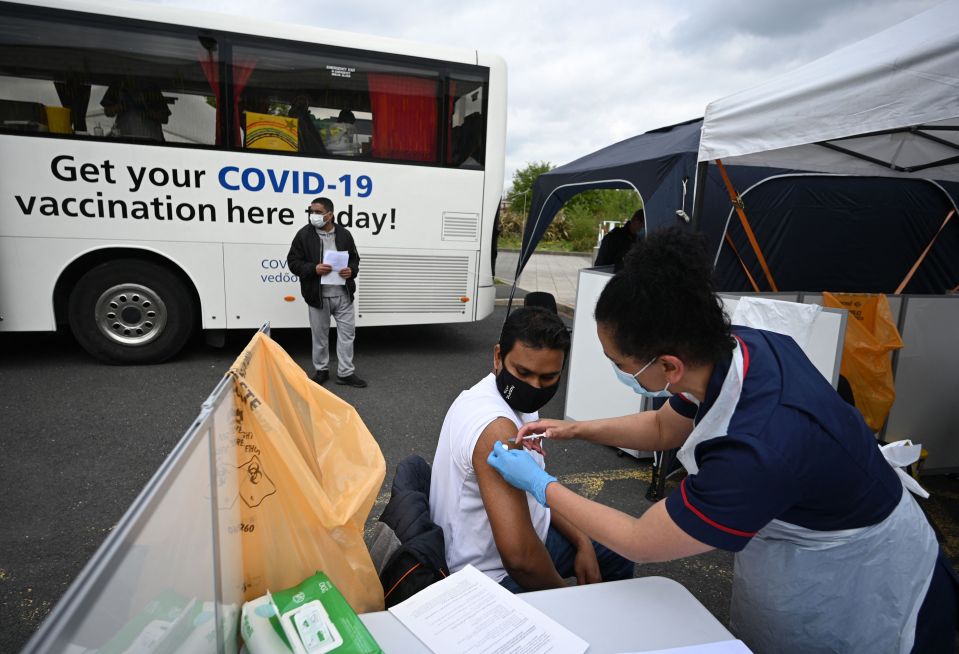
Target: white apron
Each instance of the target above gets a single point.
(805, 591)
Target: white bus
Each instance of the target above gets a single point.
(155, 165)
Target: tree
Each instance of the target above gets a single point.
(577, 223)
(522, 189)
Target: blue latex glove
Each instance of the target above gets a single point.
(520, 471)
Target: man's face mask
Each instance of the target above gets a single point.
(521, 396)
(633, 383)
(319, 219)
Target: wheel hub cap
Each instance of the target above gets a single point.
(130, 314)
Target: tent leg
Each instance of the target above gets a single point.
(699, 194)
(661, 470)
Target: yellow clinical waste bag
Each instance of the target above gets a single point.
(871, 335)
(308, 474)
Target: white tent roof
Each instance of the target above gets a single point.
(892, 98)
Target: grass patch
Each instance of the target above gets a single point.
(515, 242)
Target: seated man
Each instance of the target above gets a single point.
(487, 523)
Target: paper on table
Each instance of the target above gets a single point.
(339, 261)
(723, 647)
(468, 612)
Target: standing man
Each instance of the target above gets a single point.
(326, 298)
(618, 242)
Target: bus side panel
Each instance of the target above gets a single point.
(396, 286)
(26, 282)
(260, 288)
(32, 266)
(249, 203)
(415, 287)
(495, 163)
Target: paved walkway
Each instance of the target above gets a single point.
(551, 272)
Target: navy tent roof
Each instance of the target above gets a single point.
(655, 164)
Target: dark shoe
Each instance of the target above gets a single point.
(351, 380)
(321, 376)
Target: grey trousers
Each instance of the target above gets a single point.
(342, 310)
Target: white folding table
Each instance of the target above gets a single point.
(632, 615)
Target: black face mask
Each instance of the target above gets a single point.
(519, 395)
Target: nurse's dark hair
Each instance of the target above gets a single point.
(663, 301)
(535, 327)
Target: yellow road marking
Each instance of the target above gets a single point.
(591, 484)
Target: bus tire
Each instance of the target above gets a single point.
(130, 311)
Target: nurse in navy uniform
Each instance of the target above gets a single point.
(833, 554)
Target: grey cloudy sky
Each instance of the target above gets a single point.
(583, 75)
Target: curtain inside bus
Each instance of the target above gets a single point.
(404, 117)
(211, 69)
(242, 71)
(75, 96)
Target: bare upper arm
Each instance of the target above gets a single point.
(506, 507)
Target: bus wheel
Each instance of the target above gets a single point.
(130, 311)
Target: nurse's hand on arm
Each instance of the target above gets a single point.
(523, 554)
(652, 537)
(663, 429)
(520, 470)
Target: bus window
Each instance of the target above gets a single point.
(77, 78)
(466, 130)
(322, 104)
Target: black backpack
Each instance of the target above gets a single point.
(420, 559)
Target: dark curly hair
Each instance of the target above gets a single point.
(663, 301)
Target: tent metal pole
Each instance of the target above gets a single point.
(699, 195)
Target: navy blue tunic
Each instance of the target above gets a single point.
(795, 451)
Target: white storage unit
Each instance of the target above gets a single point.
(592, 390)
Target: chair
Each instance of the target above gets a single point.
(541, 299)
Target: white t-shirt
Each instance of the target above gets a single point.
(455, 501)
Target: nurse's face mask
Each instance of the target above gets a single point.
(633, 383)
